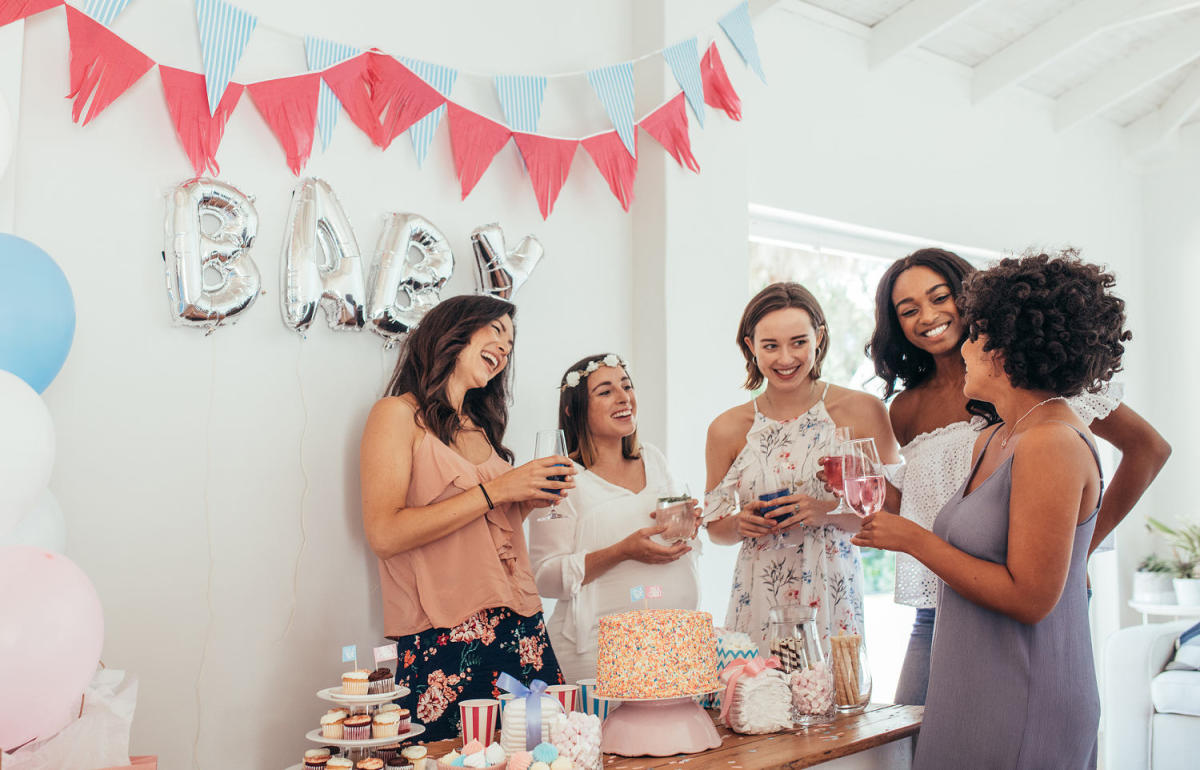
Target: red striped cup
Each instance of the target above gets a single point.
(479, 720)
(565, 694)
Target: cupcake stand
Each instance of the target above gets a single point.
(360, 704)
(658, 727)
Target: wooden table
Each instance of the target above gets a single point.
(879, 737)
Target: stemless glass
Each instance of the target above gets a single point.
(550, 443)
(674, 511)
(780, 487)
(833, 463)
(862, 477)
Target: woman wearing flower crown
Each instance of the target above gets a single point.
(798, 553)
(608, 539)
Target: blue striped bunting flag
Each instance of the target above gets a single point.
(521, 100)
(684, 58)
(323, 54)
(441, 78)
(740, 32)
(224, 33)
(104, 11)
(614, 86)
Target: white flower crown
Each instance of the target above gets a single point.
(576, 376)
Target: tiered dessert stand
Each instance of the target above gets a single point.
(361, 703)
(658, 727)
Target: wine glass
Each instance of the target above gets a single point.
(862, 477)
(832, 465)
(550, 443)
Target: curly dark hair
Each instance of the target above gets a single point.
(1052, 318)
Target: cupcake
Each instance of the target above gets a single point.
(316, 759)
(386, 725)
(380, 681)
(339, 763)
(387, 707)
(331, 724)
(413, 753)
(387, 752)
(357, 728)
(354, 682)
(370, 763)
(405, 720)
(399, 763)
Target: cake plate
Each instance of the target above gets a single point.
(367, 743)
(334, 695)
(658, 727)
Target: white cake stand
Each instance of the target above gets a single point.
(658, 727)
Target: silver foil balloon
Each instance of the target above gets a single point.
(221, 251)
(413, 262)
(322, 264)
(501, 272)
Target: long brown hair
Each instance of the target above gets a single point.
(428, 358)
(573, 416)
(778, 296)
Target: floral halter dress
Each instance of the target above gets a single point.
(812, 566)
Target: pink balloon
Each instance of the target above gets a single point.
(51, 632)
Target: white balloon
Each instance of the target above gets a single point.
(42, 526)
(26, 451)
(8, 133)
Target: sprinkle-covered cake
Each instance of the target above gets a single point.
(656, 654)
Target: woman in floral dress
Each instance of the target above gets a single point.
(797, 553)
(443, 511)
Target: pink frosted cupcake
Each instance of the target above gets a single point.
(357, 728)
(386, 725)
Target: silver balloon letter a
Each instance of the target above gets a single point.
(322, 265)
(413, 261)
(210, 227)
(501, 272)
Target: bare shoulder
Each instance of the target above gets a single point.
(854, 402)
(1052, 441)
(902, 410)
(731, 425)
(394, 416)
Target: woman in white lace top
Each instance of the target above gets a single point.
(918, 333)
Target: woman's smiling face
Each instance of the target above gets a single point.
(612, 403)
(924, 306)
(785, 346)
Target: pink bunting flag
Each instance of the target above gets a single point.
(15, 10)
(382, 96)
(187, 101)
(549, 162)
(616, 165)
(103, 66)
(474, 141)
(289, 105)
(718, 91)
(669, 127)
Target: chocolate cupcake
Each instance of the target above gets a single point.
(380, 681)
(399, 763)
(357, 728)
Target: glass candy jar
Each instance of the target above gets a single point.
(793, 637)
(851, 674)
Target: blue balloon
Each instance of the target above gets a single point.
(37, 312)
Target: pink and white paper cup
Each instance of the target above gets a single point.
(479, 720)
(590, 704)
(567, 695)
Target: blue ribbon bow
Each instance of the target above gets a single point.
(533, 705)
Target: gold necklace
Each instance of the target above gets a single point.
(1004, 443)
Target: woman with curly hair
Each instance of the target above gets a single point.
(443, 510)
(1012, 677)
(916, 351)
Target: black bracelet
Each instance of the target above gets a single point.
(491, 505)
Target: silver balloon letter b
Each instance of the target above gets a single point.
(210, 227)
(322, 265)
(501, 272)
(413, 261)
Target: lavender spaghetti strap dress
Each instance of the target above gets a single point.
(1005, 694)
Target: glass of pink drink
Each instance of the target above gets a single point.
(862, 478)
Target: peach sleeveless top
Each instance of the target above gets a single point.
(482, 565)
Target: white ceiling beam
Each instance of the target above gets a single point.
(1149, 131)
(1126, 76)
(1060, 34)
(913, 24)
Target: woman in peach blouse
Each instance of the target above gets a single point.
(443, 509)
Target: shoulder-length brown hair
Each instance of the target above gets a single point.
(778, 296)
(573, 417)
(428, 358)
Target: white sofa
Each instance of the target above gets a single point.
(1136, 735)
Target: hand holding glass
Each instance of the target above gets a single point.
(551, 443)
(833, 464)
(862, 477)
(675, 512)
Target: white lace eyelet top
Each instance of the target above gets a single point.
(935, 464)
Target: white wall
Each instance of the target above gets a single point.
(144, 461)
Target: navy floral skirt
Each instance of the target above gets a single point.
(443, 666)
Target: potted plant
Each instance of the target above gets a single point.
(1185, 543)
(1152, 581)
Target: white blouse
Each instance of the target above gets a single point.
(601, 514)
(935, 465)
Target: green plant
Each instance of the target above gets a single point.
(1155, 563)
(1185, 543)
